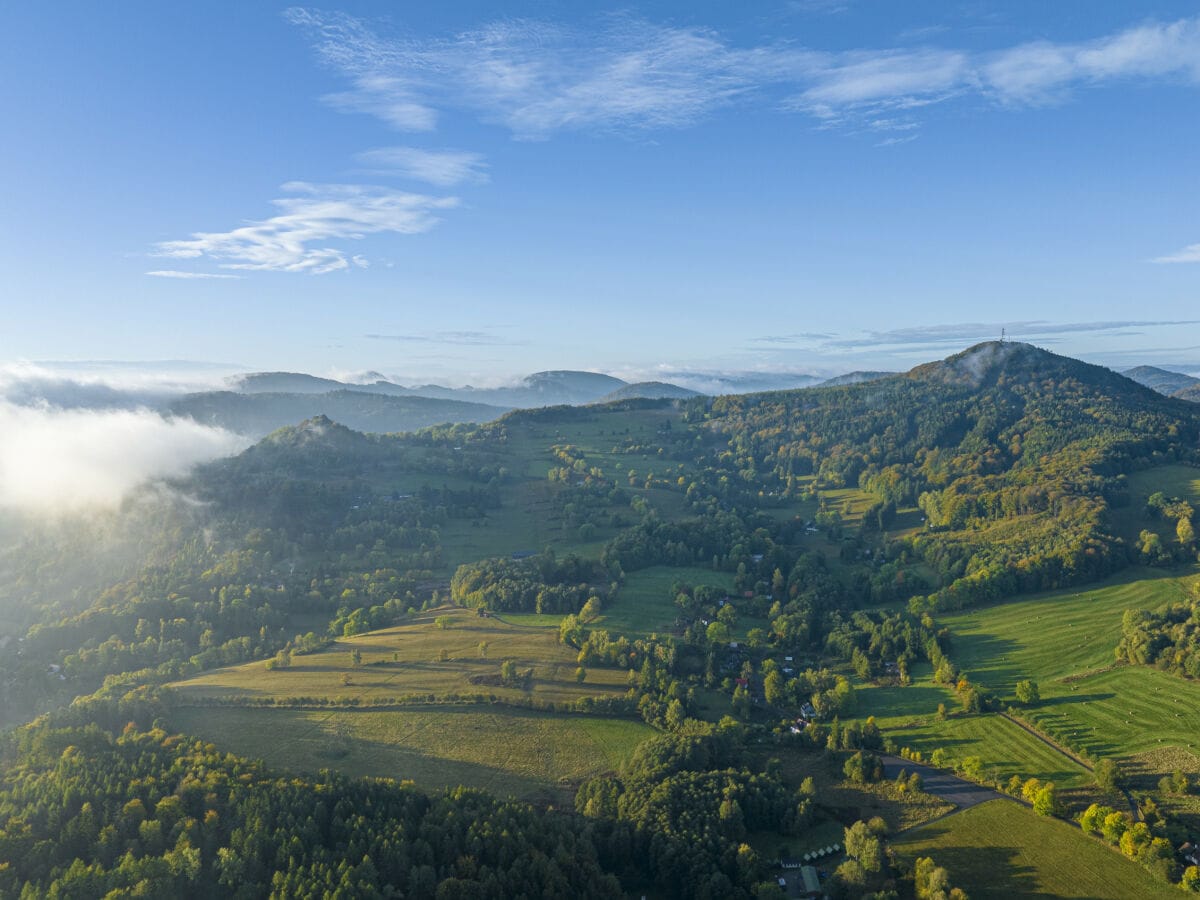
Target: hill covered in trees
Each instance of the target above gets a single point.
(1173, 384)
(791, 518)
(1015, 456)
(259, 413)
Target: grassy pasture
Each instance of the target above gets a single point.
(846, 801)
(1055, 635)
(1005, 748)
(1143, 771)
(1000, 850)
(1064, 641)
(405, 659)
(601, 436)
(526, 754)
(850, 502)
(523, 522)
(1174, 481)
(645, 603)
(527, 519)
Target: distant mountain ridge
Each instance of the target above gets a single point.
(650, 390)
(259, 414)
(551, 388)
(1173, 384)
(854, 378)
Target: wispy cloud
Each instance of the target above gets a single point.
(470, 338)
(795, 337)
(1039, 71)
(443, 168)
(1189, 254)
(173, 273)
(715, 381)
(925, 337)
(321, 213)
(536, 78)
(824, 7)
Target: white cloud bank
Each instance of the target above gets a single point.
(56, 460)
(77, 436)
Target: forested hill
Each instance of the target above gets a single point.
(1173, 384)
(258, 414)
(1014, 455)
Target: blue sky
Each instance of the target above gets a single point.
(465, 191)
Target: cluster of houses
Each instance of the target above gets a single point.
(809, 884)
(808, 715)
(1190, 853)
(735, 656)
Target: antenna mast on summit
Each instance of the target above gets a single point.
(1003, 334)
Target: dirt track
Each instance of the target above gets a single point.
(963, 794)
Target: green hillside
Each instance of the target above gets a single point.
(689, 625)
(1001, 850)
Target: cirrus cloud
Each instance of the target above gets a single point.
(1189, 254)
(537, 78)
(321, 213)
(443, 168)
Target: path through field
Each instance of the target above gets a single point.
(962, 793)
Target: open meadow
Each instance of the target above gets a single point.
(645, 603)
(1064, 641)
(1172, 481)
(510, 752)
(438, 654)
(1001, 850)
(418, 657)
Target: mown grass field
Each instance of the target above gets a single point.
(1004, 748)
(406, 659)
(525, 754)
(1001, 850)
(1064, 641)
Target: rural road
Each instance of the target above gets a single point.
(951, 788)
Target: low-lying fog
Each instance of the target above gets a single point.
(69, 444)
